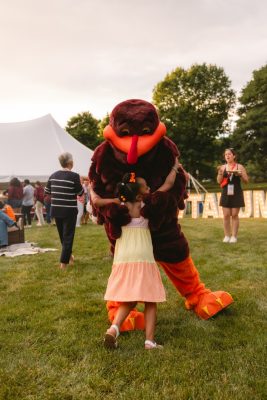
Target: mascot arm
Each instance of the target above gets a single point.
(159, 208)
(98, 179)
(167, 153)
(179, 188)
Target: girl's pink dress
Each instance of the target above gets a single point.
(135, 275)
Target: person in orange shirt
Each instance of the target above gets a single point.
(8, 210)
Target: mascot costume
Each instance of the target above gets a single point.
(135, 141)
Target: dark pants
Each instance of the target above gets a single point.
(66, 230)
(26, 211)
(48, 212)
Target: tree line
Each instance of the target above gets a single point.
(203, 117)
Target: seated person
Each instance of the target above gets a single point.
(8, 210)
(5, 222)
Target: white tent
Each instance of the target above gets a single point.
(30, 150)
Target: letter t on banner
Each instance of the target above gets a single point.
(210, 206)
(195, 199)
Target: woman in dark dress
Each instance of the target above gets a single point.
(229, 177)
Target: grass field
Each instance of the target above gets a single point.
(52, 324)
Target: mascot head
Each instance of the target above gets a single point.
(134, 128)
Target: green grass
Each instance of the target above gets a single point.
(52, 324)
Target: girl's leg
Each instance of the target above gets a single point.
(226, 221)
(123, 312)
(150, 320)
(110, 339)
(235, 221)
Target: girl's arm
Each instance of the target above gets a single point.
(98, 201)
(169, 181)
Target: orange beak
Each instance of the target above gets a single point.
(134, 146)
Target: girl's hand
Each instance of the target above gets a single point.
(176, 163)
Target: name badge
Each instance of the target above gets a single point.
(230, 190)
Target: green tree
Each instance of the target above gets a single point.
(195, 105)
(250, 136)
(84, 128)
(102, 124)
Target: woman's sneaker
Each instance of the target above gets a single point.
(233, 239)
(226, 239)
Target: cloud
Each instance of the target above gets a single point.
(58, 56)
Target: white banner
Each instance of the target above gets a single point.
(206, 205)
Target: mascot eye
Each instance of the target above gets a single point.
(125, 131)
(146, 129)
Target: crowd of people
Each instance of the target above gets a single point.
(32, 202)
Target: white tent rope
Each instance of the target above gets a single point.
(196, 184)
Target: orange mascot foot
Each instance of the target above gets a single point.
(134, 321)
(210, 304)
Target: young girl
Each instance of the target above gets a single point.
(135, 276)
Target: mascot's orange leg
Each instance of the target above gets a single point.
(185, 278)
(135, 319)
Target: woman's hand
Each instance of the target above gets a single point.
(220, 174)
(237, 172)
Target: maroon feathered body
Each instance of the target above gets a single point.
(107, 169)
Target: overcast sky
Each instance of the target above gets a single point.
(67, 56)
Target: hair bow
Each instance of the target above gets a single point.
(132, 177)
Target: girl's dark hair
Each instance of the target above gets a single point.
(15, 182)
(2, 205)
(128, 189)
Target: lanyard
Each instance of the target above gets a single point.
(231, 175)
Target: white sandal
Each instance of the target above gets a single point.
(149, 345)
(110, 340)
